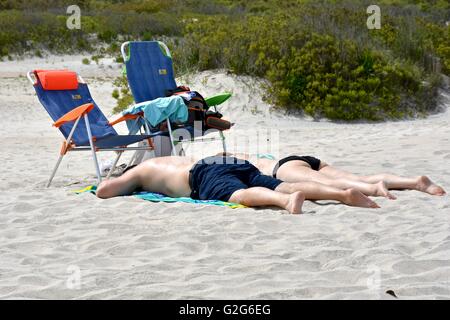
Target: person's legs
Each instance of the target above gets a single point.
(296, 171)
(123, 185)
(259, 196)
(311, 190)
(420, 183)
(334, 172)
(318, 191)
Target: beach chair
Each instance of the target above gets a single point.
(66, 97)
(150, 75)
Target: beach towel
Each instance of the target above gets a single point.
(158, 110)
(158, 197)
(265, 156)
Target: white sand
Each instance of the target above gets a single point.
(128, 248)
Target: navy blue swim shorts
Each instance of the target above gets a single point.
(218, 177)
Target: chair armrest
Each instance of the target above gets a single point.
(74, 114)
(218, 99)
(125, 118)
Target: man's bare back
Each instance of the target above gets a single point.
(167, 175)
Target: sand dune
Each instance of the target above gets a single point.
(55, 244)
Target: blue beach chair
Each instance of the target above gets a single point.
(68, 101)
(150, 75)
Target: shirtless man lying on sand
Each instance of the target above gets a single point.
(227, 179)
(307, 168)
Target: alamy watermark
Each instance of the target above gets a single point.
(374, 279)
(74, 279)
(374, 20)
(74, 20)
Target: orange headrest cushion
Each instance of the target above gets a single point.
(57, 79)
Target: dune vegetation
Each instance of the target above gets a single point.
(318, 57)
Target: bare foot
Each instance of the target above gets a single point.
(383, 191)
(424, 184)
(295, 202)
(353, 197)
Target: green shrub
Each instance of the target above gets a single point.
(122, 94)
(318, 56)
(331, 73)
(116, 94)
(96, 58)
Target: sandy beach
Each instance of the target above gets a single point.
(55, 244)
